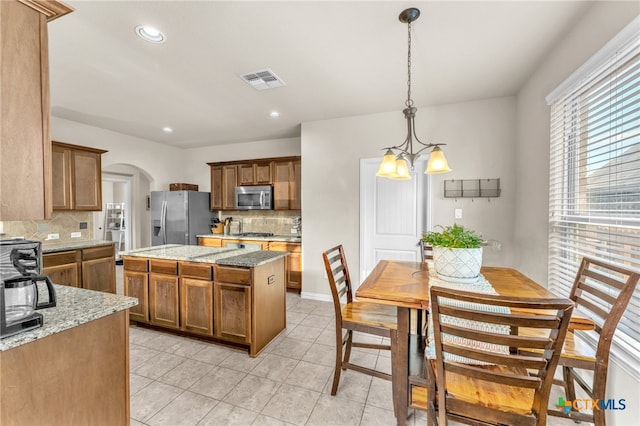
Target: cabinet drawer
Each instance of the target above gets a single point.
(169, 267)
(60, 258)
(135, 264)
(97, 252)
(196, 270)
(232, 275)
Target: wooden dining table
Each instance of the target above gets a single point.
(406, 285)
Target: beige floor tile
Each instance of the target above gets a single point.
(263, 420)
(364, 357)
(374, 416)
(228, 415)
(186, 374)
(310, 376)
(380, 394)
(275, 367)
(151, 399)
(325, 310)
(241, 361)
(294, 318)
(291, 348)
(217, 383)
(164, 342)
(133, 422)
(335, 411)
(139, 355)
(137, 382)
(302, 332)
(383, 364)
(353, 386)
(159, 365)
(304, 306)
(292, 404)
(327, 337)
(317, 321)
(186, 410)
(321, 354)
(212, 354)
(187, 347)
(252, 393)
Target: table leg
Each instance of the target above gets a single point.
(400, 368)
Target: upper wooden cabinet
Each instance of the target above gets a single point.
(77, 177)
(25, 163)
(283, 173)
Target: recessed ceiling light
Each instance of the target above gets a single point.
(167, 129)
(150, 33)
(274, 114)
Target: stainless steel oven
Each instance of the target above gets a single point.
(254, 197)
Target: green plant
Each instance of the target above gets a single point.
(455, 236)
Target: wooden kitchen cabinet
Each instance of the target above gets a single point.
(254, 174)
(136, 284)
(284, 173)
(25, 140)
(210, 242)
(233, 303)
(99, 269)
(93, 268)
(164, 299)
(63, 267)
(196, 298)
(77, 177)
(293, 263)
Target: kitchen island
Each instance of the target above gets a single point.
(226, 295)
(74, 370)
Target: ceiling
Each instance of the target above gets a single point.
(337, 59)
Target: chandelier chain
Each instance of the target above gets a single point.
(409, 101)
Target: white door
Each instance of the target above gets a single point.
(393, 215)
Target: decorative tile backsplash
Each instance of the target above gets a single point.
(276, 222)
(61, 223)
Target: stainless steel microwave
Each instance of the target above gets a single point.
(254, 197)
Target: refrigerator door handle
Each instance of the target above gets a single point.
(163, 222)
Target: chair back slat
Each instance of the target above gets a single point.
(426, 251)
(596, 293)
(606, 279)
(337, 270)
(474, 338)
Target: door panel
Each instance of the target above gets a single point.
(176, 220)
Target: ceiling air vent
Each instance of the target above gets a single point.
(263, 79)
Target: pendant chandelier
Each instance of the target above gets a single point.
(399, 159)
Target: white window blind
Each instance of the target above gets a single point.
(594, 193)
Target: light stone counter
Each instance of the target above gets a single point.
(74, 306)
(246, 257)
(49, 247)
(283, 238)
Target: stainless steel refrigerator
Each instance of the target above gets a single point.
(178, 216)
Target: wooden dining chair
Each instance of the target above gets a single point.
(351, 315)
(602, 292)
(426, 254)
(478, 376)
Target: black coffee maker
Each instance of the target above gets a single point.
(20, 281)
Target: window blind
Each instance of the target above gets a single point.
(594, 181)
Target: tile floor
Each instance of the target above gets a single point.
(182, 381)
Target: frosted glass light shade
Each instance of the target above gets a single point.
(402, 170)
(437, 162)
(388, 166)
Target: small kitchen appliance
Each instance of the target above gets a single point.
(254, 197)
(20, 282)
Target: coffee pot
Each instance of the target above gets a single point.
(19, 299)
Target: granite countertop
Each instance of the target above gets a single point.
(49, 247)
(245, 257)
(74, 306)
(284, 238)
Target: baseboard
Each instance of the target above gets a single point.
(316, 296)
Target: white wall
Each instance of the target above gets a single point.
(599, 24)
(162, 163)
(480, 136)
(197, 171)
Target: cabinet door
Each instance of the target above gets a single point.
(196, 306)
(164, 300)
(87, 180)
(262, 173)
(233, 312)
(229, 180)
(296, 186)
(216, 187)
(136, 285)
(210, 242)
(61, 171)
(99, 274)
(281, 179)
(67, 274)
(25, 174)
(246, 174)
(293, 263)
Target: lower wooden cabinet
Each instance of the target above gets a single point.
(210, 242)
(293, 263)
(164, 300)
(91, 268)
(196, 306)
(136, 284)
(233, 307)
